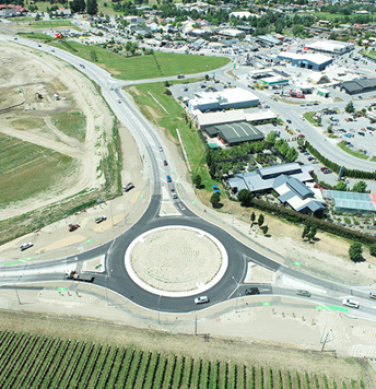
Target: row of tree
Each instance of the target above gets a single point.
(90, 6)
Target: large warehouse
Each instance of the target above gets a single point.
(359, 86)
(307, 61)
(234, 133)
(230, 98)
(335, 48)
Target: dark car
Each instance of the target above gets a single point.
(252, 291)
(304, 293)
(288, 121)
(165, 163)
(128, 187)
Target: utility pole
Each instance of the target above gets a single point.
(196, 324)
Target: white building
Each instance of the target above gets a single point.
(229, 98)
(330, 47)
(241, 15)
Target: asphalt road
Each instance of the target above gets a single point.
(116, 277)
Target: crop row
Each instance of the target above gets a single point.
(30, 361)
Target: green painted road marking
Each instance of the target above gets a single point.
(141, 195)
(26, 259)
(193, 202)
(338, 309)
(12, 263)
(320, 307)
(297, 263)
(266, 304)
(61, 289)
(89, 241)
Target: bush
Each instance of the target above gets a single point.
(372, 249)
(356, 252)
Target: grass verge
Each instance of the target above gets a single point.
(52, 24)
(343, 146)
(309, 117)
(170, 122)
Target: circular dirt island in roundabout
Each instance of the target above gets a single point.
(176, 261)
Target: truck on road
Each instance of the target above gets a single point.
(80, 276)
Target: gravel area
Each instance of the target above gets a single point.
(176, 260)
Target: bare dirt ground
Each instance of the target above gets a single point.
(23, 69)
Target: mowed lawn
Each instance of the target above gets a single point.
(27, 169)
(51, 23)
(172, 121)
(144, 67)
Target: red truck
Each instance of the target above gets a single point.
(73, 227)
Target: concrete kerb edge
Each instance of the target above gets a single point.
(155, 291)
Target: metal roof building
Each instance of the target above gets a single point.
(263, 179)
(229, 98)
(235, 133)
(298, 196)
(330, 47)
(359, 86)
(307, 61)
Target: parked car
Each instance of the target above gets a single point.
(26, 246)
(304, 293)
(181, 76)
(289, 121)
(128, 187)
(73, 227)
(173, 193)
(361, 133)
(100, 219)
(252, 291)
(202, 300)
(169, 179)
(350, 303)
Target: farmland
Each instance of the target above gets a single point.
(35, 361)
(24, 162)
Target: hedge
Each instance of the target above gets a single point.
(323, 225)
(335, 167)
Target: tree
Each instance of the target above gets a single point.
(207, 77)
(245, 197)
(197, 181)
(359, 187)
(212, 170)
(260, 221)
(253, 217)
(312, 233)
(92, 7)
(272, 136)
(350, 107)
(319, 121)
(215, 199)
(356, 252)
(77, 5)
(341, 186)
(265, 229)
(306, 230)
(372, 249)
(37, 17)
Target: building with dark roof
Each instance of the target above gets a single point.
(359, 86)
(234, 133)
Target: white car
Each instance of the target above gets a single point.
(26, 246)
(350, 303)
(202, 300)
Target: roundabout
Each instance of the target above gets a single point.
(176, 261)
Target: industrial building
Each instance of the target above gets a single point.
(204, 120)
(359, 86)
(229, 98)
(234, 133)
(269, 40)
(262, 179)
(270, 81)
(335, 48)
(307, 61)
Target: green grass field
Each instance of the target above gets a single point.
(171, 121)
(343, 146)
(52, 24)
(27, 169)
(31, 361)
(309, 117)
(72, 124)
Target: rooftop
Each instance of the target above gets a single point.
(236, 132)
(316, 58)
